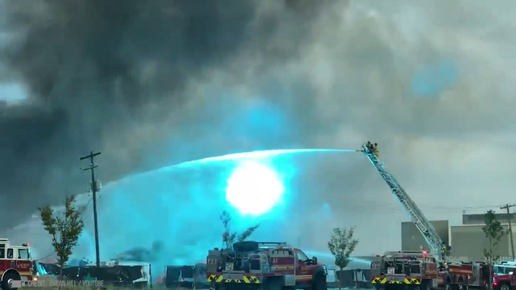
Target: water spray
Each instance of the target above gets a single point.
(152, 201)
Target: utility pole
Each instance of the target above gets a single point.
(94, 193)
(509, 217)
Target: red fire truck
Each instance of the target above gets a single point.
(504, 276)
(264, 265)
(476, 275)
(407, 269)
(15, 263)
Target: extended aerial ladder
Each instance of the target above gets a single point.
(437, 247)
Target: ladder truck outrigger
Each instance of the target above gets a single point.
(408, 269)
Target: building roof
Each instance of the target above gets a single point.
(479, 219)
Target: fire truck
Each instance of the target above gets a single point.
(413, 269)
(267, 265)
(504, 276)
(468, 274)
(15, 264)
(476, 275)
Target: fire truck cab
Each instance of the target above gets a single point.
(15, 264)
(267, 265)
(504, 276)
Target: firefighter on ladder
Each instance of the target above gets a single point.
(373, 148)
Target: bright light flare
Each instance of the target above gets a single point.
(254, 188)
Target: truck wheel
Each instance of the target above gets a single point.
(319, 283)
(505, 287)
(8, 279)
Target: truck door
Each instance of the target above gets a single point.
(10, 256)
(304, 269)
(23, 264)
(4, 264)
(512, 272)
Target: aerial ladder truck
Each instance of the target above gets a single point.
(413, 268)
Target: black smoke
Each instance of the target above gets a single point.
(95, 70)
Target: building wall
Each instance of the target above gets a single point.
(412, 240)
(470, 241)
(478, 219)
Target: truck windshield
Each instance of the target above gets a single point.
(503, 270)
(23, 254)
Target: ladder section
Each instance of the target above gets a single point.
(428, 231)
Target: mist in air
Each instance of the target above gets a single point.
(179, 207)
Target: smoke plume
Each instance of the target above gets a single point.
(113, 76)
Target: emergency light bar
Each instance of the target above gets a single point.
(272, 244)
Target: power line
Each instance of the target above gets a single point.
(94, 189)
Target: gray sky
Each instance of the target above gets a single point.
(432, 82)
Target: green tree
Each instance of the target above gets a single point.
(229, 237)
(494, 231)
(247, 233)
(341, 245)
(64, 229)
